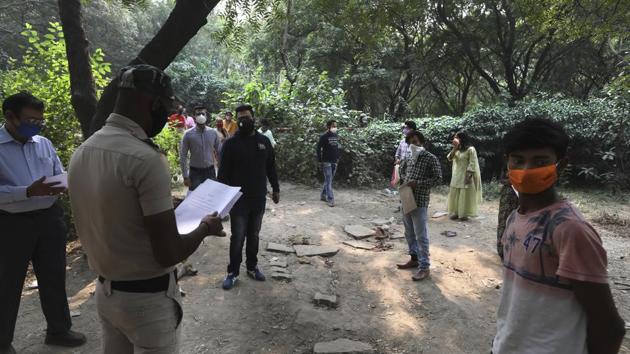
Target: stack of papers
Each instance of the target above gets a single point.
(208, 198)
(62, 179)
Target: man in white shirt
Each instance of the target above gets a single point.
(32, 223)
(266, 131)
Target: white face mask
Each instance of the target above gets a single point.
(333, 130)
(201, 119)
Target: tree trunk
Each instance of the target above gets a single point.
(82, 87)
(187, 17)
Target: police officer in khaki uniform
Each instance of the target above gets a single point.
(123, 210)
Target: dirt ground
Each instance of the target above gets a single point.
(453, 312)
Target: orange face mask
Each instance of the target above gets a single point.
(535, 180)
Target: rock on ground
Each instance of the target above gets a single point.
(282, 276)
(360, 244)
(325, 300)
(342, 345)
(276, 247)
(309, 251)
(359, 232)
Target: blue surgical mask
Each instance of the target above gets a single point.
(28, 130)
(406, 131)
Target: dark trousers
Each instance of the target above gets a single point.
(246, 223)
(200, 175)
(39, 237)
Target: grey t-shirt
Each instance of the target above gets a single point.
(202, 145)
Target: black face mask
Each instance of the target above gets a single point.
(159, 116)
(246, 126)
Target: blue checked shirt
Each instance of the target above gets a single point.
(427, 173)
(20, 166)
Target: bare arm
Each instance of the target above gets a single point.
(605, 329)
(169, 247)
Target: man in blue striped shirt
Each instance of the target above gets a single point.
(32, 222)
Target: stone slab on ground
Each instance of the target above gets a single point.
(397, 236)
(274, 269)
(310, 251)
(325, 300)
(358, 231)
(381, 222)
(279, 263)
(277, 247)
(360, 244)
(282, 276)
(342, 345)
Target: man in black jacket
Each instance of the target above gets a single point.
(328, 156)
(247, 161)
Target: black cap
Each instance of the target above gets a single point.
(146, 78)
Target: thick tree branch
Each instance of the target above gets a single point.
(187, 17)
(82, 87)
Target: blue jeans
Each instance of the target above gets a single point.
(417, 236)
(329, 169)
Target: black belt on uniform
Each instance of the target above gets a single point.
(153, 285)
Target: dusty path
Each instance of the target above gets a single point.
(454, 312)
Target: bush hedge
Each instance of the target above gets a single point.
(598, 127)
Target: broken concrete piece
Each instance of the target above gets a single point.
(360, 244)
(33, 285)
(396, 236)
(75, 313)
(279, 270)
(278, 263)
(325, 300)
(309, 251)
(282, 277)
(358, 231)
(380, 222)
(439, 214)
(276, 247)
(342, 345)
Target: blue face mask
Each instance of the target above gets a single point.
(28, 130)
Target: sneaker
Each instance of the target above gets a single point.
(323, 199)
(421, 275)
(230, 281)
(331, 204)
(256, 274)
(68, 339)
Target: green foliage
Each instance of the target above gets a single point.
(43, 71)
(169, 140)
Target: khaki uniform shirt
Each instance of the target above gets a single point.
(115, 179)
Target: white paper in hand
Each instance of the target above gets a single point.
(62, 179)
(206, 199)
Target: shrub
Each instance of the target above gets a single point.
(43, 71)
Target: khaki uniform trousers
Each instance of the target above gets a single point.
(139, 323)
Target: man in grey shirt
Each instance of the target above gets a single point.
(203, 144)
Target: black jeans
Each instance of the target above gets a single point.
(200, 175)
(246, 223)
(39, 237)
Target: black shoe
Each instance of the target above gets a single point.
(69, 339)
(7, 350)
